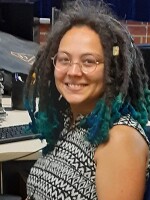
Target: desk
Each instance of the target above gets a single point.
(14, 117)
(14, 150)
(28, 150)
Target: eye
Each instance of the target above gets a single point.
(62, 59)
(88, 61)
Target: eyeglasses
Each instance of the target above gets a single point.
(62, 62)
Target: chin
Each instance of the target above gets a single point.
(74, 99)
(75, 102)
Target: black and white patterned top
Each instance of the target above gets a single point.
(68, 172)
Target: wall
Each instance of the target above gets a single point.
(139, 30)
(44, 28)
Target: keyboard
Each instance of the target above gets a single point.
(16, 133)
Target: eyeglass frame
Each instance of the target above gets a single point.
(71, 63)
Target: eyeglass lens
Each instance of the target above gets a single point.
(62, 62)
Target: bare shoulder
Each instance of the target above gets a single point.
(121, 165)
(122, 137)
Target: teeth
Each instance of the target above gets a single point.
(75, 85)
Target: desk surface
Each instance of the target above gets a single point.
(29, 149)
(14, 117)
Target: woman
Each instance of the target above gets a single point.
(93, 109)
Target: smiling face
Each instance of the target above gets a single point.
(81, 90)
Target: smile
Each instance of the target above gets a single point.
(75, 86)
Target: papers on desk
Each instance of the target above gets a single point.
(28, 150)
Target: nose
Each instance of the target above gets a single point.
(75, 69)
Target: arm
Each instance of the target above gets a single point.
(121, 165)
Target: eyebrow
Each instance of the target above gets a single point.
(98, 56)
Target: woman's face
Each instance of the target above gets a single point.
(81, 90)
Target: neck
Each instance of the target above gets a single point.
(76, 113)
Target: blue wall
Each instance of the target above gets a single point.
(138, 10)
(45, 7)
(126, 9)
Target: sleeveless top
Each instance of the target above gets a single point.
(68, 172)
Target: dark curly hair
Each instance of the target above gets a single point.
(126, 81)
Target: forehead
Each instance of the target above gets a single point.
(81, 38)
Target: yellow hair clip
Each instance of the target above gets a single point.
(115, 50)
(33, 78)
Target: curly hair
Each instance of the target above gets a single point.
(126, 81)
